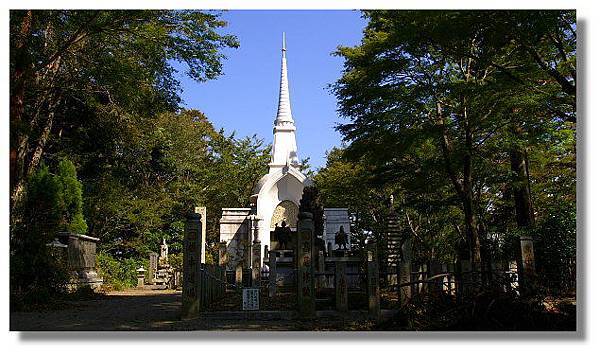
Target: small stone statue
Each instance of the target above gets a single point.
(164, 253)
(341, 239)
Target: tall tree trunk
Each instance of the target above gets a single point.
(463, 189)
(468, 205)
(524, 216)
(18, 148)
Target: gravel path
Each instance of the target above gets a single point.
(153, 310)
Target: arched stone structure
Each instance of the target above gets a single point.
(285, 211)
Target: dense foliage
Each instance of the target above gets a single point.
(95, 99)
(468, 119)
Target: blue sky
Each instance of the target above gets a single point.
(244, 98)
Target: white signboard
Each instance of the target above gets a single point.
(250, 301)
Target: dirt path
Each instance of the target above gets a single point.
(152, 310)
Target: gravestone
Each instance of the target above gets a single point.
(152, 266)
(272, 273)
(191, 267)
(373, 284)
(305, 266)
(341, 287)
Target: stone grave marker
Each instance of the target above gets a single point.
(272, 273)
(152, 266)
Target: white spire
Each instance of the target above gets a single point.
(284, 151)
(284, 110)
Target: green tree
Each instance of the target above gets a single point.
(442, 102)
(68, 64)
(72, 196)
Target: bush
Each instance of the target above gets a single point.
(72, 198)
(36, 275)
(556, 248)
(119, 274)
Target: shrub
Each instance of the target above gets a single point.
(36, 275)
(72, 198)
(117, 273)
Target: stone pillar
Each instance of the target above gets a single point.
(272, 273)
(202, 286)
(341, 287)
(322, 279)
(373, 283)
(152, 266)
(256, 263)
(202, 212)
(191, 267)
(404, 269)
(305, 265)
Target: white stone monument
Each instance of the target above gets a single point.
(277, 195)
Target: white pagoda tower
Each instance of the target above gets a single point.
(277, 195)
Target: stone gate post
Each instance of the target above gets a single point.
(191, 267)
(373, 283)
(305, 265)
(341, 287)
(256, 263)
